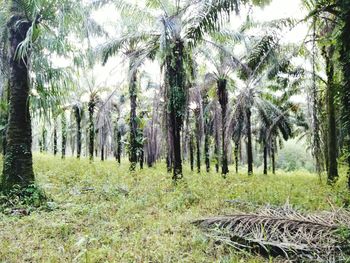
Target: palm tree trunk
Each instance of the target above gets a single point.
(344, 40)
(64, 134)
(217, 151)
(55, 138)
(4, 141)
(236, 156)
(118, 143)
(223, 100)
(265, 159)
(332, 126)
(18, 163)
(206, 148)
(177, 162)
(198, 142)
(175, 77)
(119, 146)
(43, 140)
(273, 158)
(91, 128)
(142, 158)
(78, 114)
(6, 117)
(191, 152)
(317, 152)
(133, 121)
(169, 142)
(249, 143)
(102, 152)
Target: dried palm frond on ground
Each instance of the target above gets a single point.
(321, 237)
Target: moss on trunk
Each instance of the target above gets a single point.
(18, 163)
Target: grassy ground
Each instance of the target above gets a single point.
(151, 223)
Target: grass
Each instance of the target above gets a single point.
(142, 216)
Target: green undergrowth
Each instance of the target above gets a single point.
(23, 200)
(100, 212)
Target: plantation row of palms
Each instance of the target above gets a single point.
(221, 91)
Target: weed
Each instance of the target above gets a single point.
(101, 213)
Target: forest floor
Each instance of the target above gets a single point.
(100, 212)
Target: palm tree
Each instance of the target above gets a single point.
(327, 16)
(181, 29)
(332, 162)
(30, 26)
(137, 51)
(339, 12)
(344, 42)
(18, 159)
(78, 114)
(224, 63)
(262, 63)
(93, 100)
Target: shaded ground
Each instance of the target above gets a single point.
(102, 213)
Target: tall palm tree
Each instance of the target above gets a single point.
(331, 19)
(261, 63)
(344, 42)
(183, 25)
(225, 63)
(137, 49)
(26, 25)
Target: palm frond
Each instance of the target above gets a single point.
(211, 17)
(284, 232)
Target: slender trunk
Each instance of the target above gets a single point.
(133, 121)
(236, 155)
(64, 134)
(55, 138)
(249, 143)
(18, 163)
(91, 109)
(186, 135)
(151, 144)
(141, 159)
(102, 152)
(78, 114)
(119, 144)
(217, 151)
(206, 133)
(206, 148)
(273, 159)
(223, 99)
(43, 140)
(191, 152)
(332, 164)
(198, 143)
(265, 159)
(169, 163)
(325, 139)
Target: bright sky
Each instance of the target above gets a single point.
(112, 73)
